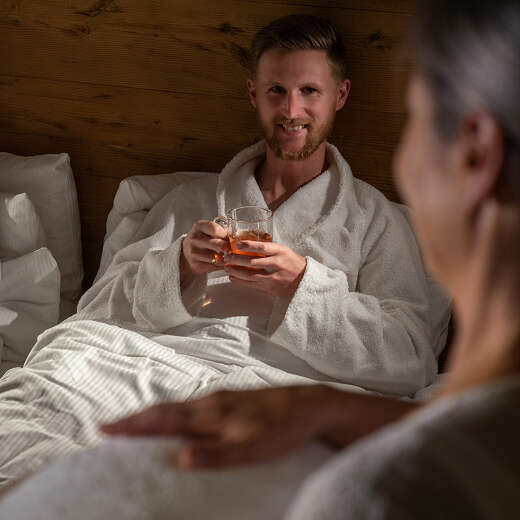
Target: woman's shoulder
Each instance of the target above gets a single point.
(456, 458)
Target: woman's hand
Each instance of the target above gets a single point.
(233, 428)
(278, 272)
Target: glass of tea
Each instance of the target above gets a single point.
(247, 223)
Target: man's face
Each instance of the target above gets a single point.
(296, 96)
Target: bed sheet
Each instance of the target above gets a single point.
(84, 373)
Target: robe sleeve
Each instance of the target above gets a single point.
(377, 334)
(141, 287)
(158, 303)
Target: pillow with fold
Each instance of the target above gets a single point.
(49, 182)
(135, 196)
(141, 192)
(21, 230)
(29, 301)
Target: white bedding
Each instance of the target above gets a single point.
(84, 373)
(49, 182)
(29, 278)
(29, 301)
(40, 250)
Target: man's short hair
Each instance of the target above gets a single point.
(301, 32)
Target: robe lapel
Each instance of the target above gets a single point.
(300, 215)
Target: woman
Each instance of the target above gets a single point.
(457, 167)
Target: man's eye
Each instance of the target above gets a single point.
(276, 90)
(309, 90)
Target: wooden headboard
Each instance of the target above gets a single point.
(131, 87)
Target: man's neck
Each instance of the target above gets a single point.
(279, 179)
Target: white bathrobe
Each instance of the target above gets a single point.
(362, 313)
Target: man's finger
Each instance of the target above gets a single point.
(249, 261)
(214, 244)
(212, 229)
(253, 246)
(203, 256)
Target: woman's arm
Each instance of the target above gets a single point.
(245, 427)
(352, 415)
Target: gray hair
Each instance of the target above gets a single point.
(469, 51)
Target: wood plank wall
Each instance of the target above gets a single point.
(132, 87)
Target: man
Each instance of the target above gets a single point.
(340, 295)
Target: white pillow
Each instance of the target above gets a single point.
(141, 192)
(135, 196)
(29, 278)
(29, 301)
(49, 183)
(20, 228)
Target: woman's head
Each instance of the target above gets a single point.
(461, 145)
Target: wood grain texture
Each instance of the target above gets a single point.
(129, 87)
(184, 49)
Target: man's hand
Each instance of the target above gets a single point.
(279, 272)
(204, 239)
(233, 428)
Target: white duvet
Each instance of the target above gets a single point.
(363, 315)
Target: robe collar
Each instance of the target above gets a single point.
(301, 214)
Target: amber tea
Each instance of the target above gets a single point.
(248, 234)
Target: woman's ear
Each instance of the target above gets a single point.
(482, 157)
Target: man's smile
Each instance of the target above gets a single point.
(292, 129)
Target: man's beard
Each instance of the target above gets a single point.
(313, 139)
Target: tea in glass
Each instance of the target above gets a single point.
(247, 223)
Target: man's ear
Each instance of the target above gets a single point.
(482, 157)
(343, 91)
(251, 87)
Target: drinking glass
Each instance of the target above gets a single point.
(246, 223)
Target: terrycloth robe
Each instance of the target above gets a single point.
(362, 313)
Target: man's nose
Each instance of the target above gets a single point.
(292, 106)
